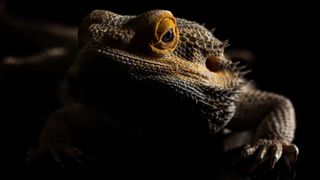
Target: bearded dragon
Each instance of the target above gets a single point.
(157, 75)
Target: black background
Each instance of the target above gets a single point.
(279, 35)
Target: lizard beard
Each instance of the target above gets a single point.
(215, 106)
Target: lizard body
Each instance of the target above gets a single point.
(154, 74)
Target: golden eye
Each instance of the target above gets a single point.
(168, 36)
(165, 36)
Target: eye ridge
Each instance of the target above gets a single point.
(168, 36)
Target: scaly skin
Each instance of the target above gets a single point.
(130, 65)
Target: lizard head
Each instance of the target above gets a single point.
(174, 53)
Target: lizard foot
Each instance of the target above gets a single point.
(58, 161)
(273, 150)
(57, 152)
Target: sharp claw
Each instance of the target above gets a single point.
(78, 161)
(262, 154)
(259, 158)
(293, 152)
(273, 162)
(77, 151)
(62, 165)
(75, 154)
(56, 158)
(276, 153)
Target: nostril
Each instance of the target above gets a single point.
(214, 64)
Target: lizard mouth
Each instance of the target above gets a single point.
(131, 61)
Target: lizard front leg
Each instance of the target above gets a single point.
(272, 118)
(56, 139)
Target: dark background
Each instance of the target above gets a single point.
(279, 35)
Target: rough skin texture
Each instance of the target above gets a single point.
(132, 72)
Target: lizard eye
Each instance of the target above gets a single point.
(168, 36)
(165, 36)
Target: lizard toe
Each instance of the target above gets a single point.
(272, 150)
